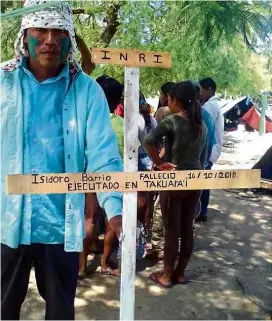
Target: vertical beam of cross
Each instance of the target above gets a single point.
(130, 199)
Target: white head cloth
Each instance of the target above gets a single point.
(55, 17)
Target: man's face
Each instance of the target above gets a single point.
(205, 94)
(163, 99)
(49, 47)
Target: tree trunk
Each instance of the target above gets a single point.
(111, 19)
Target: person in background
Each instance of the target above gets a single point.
(86, 62)
(54, 119)
(210, 125)
(113, 91)
(163, 109)
(119, 111)
(211, 139)
(92, 215)
(120, 107)
(147, 123)
(185, 147)
(211, 105)
(157, 239)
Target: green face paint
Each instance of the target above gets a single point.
(64, 48)
(32, 43)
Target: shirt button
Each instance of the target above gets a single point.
(35, 140)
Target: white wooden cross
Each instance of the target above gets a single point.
(135, 59)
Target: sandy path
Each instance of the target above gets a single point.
(231, 265)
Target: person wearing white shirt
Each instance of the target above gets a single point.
(210, 104)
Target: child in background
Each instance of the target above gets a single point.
(185, 149)
(113, 92)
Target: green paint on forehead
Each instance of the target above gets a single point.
(32, 43)
(64, 48)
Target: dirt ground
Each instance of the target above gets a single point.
(230, 268)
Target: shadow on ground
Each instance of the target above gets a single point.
(230, 269)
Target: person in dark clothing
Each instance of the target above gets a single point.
(185, 149)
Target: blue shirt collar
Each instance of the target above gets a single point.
(63, 74)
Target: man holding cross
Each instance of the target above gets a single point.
(55, 119)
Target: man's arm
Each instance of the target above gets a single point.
(204, 154)
(101, 148)
(160, 115)
(87, 63)
(219, 134)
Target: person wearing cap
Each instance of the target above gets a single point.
(55, 119)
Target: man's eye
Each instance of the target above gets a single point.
(64, 32)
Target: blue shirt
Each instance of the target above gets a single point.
(211, 138)
(44, 153)
(89, 145)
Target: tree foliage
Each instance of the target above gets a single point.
(206, 38)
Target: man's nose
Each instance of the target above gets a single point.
(50, 38)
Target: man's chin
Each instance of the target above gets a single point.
(50, 64)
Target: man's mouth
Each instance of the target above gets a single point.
(50, 53)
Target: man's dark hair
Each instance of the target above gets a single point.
(113, 90)
(165, 88)
(196, 85)
(207, 83)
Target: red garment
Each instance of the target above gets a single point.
(252, 118)
(119, 110)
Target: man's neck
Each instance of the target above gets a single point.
(208, 99)
(41, 73)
